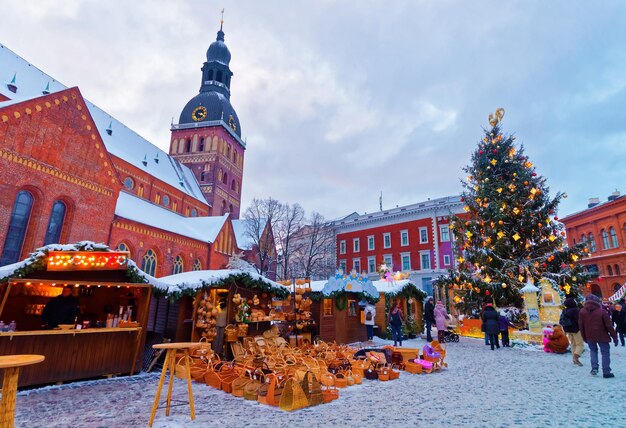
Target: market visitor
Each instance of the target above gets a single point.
(503, 326)
(441, 317)
(396, 317)
(370, 316)
(597, 330)
(569, 322)
(557, 341)
(490, 325)
(487, 301)
(619, 319)
(429, 317)
(62, 309)
(220, 326)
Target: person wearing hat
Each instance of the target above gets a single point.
(597, 330)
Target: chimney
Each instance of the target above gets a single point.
(613, 196)
(593, 202)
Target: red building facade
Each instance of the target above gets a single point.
(603, 228)
(414, 239)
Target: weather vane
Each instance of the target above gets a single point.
(222, 20)
(493, 120)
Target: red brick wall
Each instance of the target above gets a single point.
(50, 147)
(140, 238)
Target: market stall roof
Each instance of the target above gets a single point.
(36, 261)
(190, 282)
(350, 284)
(382, 285)
(621, 292)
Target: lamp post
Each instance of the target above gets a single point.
(530, 305)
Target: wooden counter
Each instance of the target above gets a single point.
(74, 354)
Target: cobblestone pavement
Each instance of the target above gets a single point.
(506, 387)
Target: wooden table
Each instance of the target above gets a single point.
(11, 365)
(170, 364)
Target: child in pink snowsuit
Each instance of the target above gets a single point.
(547, 332)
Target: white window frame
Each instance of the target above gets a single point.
(356, 245)
(404, 233)
(446, 259)
(441, 229)
(402, 256)
(388, 260)
(385, 236)
(354, 261)
(371, 264)
(371, 240)
(343, 264)
(342, 246)
(422, 254)
(423, 229)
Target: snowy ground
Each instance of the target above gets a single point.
(480, 388)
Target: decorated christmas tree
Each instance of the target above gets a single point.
(510, 232)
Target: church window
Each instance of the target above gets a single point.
(17, 228)
(53, 234)
(230, 208)
(232, 185)
(203, 176)
(210, 75)
(187, 212)
(225, 179)
(157, 198)
(129, 183)
(149, 262)
(178, 265)
(201, 146)
(220, 174)
(140, 191)
(175, 206)
(123, 247)
(223, 207)
(188, 146)
(194, 212)
(166, 200)
(219, 76)
(228, 151)
(197, 265)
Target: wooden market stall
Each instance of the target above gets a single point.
(112, 297)
(338, 308)
(249, 300)
(411, 300)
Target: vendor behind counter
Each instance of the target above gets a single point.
(62, 309)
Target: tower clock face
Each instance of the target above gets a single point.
(232, 123)
(199, 114)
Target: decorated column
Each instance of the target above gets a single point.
(530, 305)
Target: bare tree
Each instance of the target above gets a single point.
(289, 222)
(260, 217)
(315, 248)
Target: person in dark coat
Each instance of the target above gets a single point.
(491, 325)
(569, 322)
(503, 326)
(619, 319)
(62, 309)
(429, 317)
(396, 319)
(597, 330)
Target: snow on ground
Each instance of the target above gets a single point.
(503, 388)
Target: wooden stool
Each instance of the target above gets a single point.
(170, 364)
(11, 365)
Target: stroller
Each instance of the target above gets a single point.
(450, 334)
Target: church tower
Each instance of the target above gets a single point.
(207, 137)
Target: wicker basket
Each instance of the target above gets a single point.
(230, 333)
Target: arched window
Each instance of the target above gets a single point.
(140, 191)
(194, 212)
(613, 235)
(228, 151)
(232, 185)
(219, 76)
(175, 206)
(230, 208)
(203, 176)
(197, 265)
(149, 262)
(17, 228)
(188, 146)
(178, 265)
(210, 75)
(123, 247)
(595, 289)
(592, 243)
(617, 271)
(609, 270)
(225, 178)
(616, 287)
(201, 146)
(605, 240)
(223, 207)
(53, 234)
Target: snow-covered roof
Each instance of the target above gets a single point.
(244, 241)
(203, 229)
(12, 270)
(196, 280)
(381, 285)
(350, 284)
(123, 142)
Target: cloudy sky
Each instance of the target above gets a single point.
(340, 100)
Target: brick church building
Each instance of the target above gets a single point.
(69, 171)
